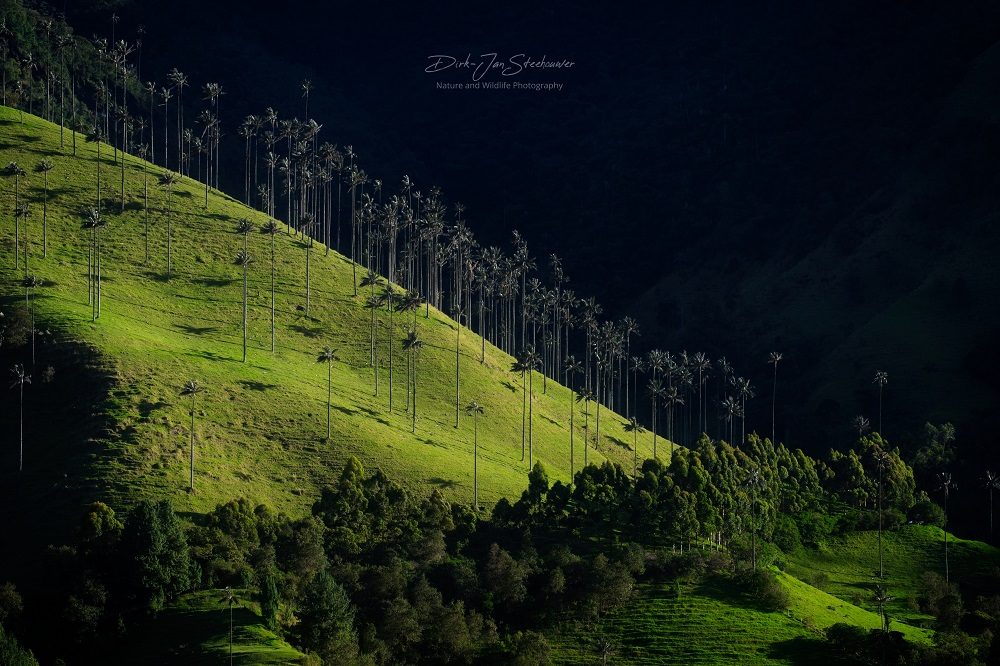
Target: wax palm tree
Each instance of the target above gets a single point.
(371, 280)
(192, 388)
(744, 391)
(96, 135)
(474, 409)
(387, 297)
(143, 152)
(244, 228)
(272, 229)
(572, 367)
(521, 367)
(328, 355)
(409, 303)
(532, 362)
(230, 598)
(412, 346)
(457, 316)
(655, 389)
(633, 426)
(243, 260)
(882, 599)
(672, 398)
(94, 221)
(774, 358)
(881, 379)
(21, 214)
(307, 222)
(861, 424)
(701, 364)
(730, 408)
(753, 482)
(13, 169)
(629, 327)
(30, 283)
(991, 483)
(43, 168)
(168, 179)
(307, 87)
(585, 395)
(374, 303)
(881, 460)
(18, 379)
(945, 486)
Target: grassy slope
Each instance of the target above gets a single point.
(850, 561)
(261, 425)
(195, 630)
(658, 627)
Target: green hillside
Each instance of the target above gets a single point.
(261, 424)
(845, 565)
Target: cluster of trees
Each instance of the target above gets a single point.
(378, 574)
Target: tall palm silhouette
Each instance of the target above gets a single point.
(229, 598)
(30, 284)
(412, 346)
(192, 388)
(671, 399)
(655, 390)
(474, 409)
(945, 486)
(13, 169)
(991, 482)
(585, 395)
(861, 424)
(371, 280)
(520, 366)
(753, 482)
(272, 229)
(44, 167)
(328, 355)
(388, 298)
(572, 367)
(94, 222)
(881, 460)
(744, 391)
(143, 153)
(730, 409)
(168, 179)
(532, 362)
(457, 316)
(635, 428)
(774, 358)
(18, 379)
(243, 260)
(882, 599)
(881, 379)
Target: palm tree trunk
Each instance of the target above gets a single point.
(272, 293)
(458, 340)
(475, 463)
(244, 313)
(531, 402)
(329, 393)
(191, 472)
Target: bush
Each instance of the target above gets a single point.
(786, 534)
(814, 527)
(927, 513)
(765, 588)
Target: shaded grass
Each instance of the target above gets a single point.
(195, 630)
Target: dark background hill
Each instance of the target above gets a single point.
(818, 178)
